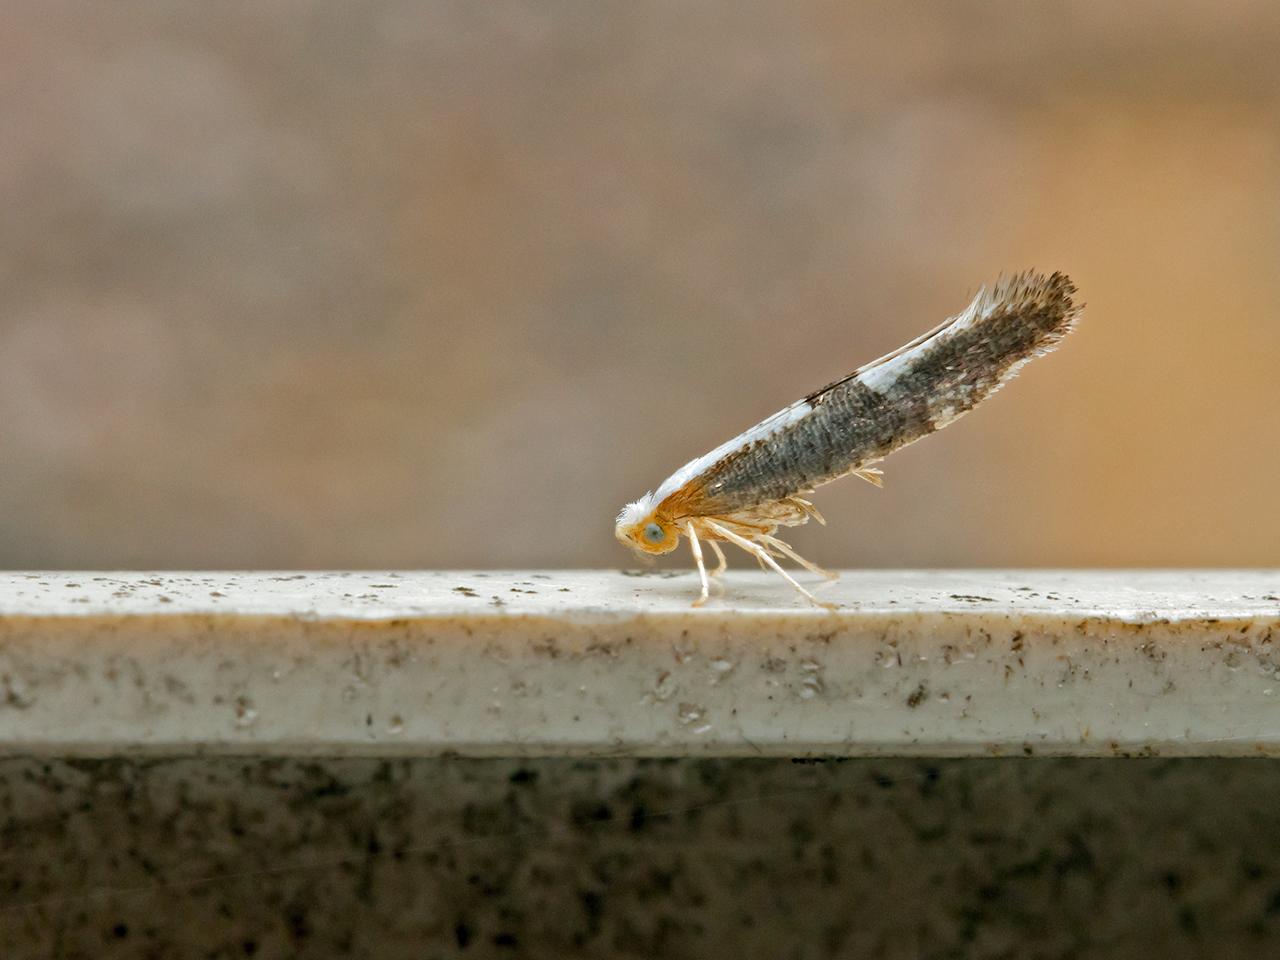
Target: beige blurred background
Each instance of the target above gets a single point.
(443, 284)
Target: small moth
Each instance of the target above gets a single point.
(743, 490)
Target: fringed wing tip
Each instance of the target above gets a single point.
(1028, 291)
(1028, 288)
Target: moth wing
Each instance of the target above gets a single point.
(691, 500)
(684, 494)
(881, 361)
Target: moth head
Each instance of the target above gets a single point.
(641, 527)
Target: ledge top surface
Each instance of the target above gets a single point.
(1131, 595)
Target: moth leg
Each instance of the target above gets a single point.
(723, 565)
(810, 510)
(764, 556)
(754, 553)
(807, 564)
(702, 567)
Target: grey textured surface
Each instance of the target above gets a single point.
(699, 859)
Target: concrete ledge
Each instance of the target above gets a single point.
(972, 663)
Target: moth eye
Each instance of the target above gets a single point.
(654, 533)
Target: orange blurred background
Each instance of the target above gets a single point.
(400, 284)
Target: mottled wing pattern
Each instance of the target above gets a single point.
(882, 406)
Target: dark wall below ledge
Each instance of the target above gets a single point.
(434, 858)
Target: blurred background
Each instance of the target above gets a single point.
(396, 284)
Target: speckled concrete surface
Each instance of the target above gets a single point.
(608, 663)
(693, 858)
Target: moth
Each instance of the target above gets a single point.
(745, 489)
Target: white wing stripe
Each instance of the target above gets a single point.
(762, 430)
